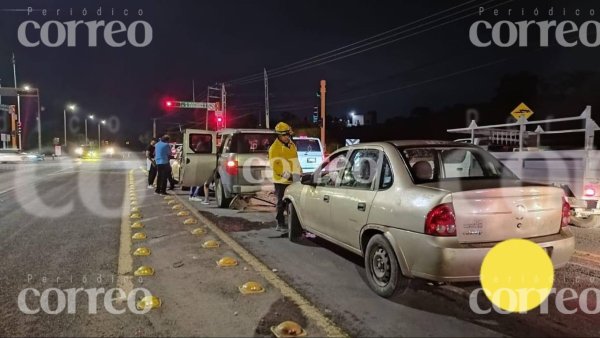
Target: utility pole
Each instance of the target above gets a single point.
(207, 102)
(224, 104)
(323, 124)
(39, 123)
(211, 96)
(266, 99)
(14, 63)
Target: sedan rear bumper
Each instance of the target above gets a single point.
(444, 259)
(250, 189)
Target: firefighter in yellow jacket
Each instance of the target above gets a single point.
(283, 157)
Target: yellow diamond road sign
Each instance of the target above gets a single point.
(522, 110)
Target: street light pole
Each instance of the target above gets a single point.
(39, 118)
(99, 139)
(39, 123)
(65, 125)
(86, 138)
(71, 107)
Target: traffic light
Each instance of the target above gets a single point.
(219, 119)
(169, 104)
(315, 116)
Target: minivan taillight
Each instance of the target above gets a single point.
(566, 213)
(440, 221)
(231, 167)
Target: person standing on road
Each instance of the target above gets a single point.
(151, 164)
(283, 158)
(162, 152)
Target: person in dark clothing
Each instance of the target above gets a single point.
(151, 164)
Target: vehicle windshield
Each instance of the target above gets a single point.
(307, 145)
(433, 164)
(251, 143)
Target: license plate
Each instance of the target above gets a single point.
(311, 160)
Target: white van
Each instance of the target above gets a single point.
(310, 153)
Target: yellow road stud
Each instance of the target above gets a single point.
(251, 287)
(135, 215)
(288, 329)
(149, 302)
(137, 225)
(135, 209)
(167, 198)
(143, 271)
(183, 213)
(226, 262)
(171, 202)
(199, 231)
(139, 236)
(142, 252)
(190, 221)
(133, 203)
(210, 244)
(177, 207)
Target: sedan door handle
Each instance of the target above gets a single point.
(326, 198)
(362, 206)
(187, 161)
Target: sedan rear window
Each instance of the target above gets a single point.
(431, 164)
(308, 145)
(247, 143)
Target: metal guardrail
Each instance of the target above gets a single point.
(590, 127)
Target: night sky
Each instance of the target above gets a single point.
(215, 41)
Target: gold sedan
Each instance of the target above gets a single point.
(425, 209)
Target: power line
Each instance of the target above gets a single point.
(410, 85)
(364, 47)
(352, 44)
(372, 47)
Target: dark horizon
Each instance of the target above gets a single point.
(435, 68)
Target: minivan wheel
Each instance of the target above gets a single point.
(381, 265)
(222, 201)
(294, 227)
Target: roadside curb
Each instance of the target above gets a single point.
(308, 309)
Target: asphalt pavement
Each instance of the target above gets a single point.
(334, 279)
(67, 224)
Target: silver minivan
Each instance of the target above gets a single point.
(237, 159)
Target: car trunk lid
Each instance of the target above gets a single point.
(496, 214)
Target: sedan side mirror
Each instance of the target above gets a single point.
(308, 179)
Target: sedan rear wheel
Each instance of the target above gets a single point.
(222, 201)
(383, 272)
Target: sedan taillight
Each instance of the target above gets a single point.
(440, 221)
(566, 213)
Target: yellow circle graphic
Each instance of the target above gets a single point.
(517, 275)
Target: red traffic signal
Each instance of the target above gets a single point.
(219, 119)
(169, 103)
